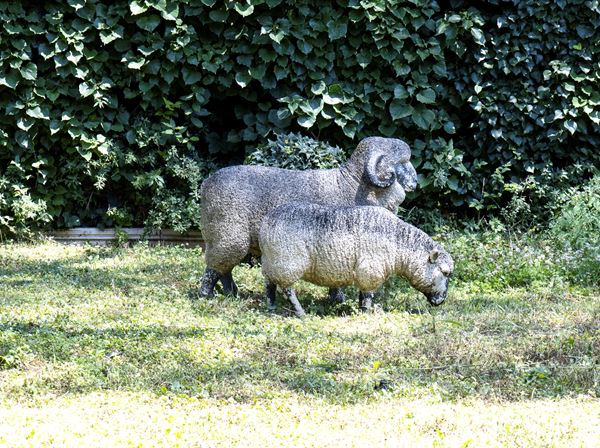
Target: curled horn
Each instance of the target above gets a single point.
(379, 170)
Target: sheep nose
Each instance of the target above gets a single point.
(407, 176)
(436, 299)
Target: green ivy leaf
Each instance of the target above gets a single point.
(76, 4)
(426, 96)
(74, 57)
(318, 88)
(334, 95)
(54, 126)
(23, 139)
(307, 121)
(107, 37)
(387, 129)
(25, 123)
(218, 15)
(400, 92)
(138, 7)
(570, 126)
(478, 36)
(337, 29)
(243, 78)
(85, 153)
(400, 109)
(305, 47)
(148, 23)
(449, 127)
(584, 31)
(168, 10)
(29, 71)
(277, 36)
(10, 79)
(349, 130)
(283, 113)
(423, 118)
(37, 112)
(191, 76)
(243, 9)
(312, 107)
(86, 89)
(136, 64)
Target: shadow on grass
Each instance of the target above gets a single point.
(164, 360)
(250, 357)
(81, 272)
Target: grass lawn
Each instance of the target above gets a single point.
(112, 347)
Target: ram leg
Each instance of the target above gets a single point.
(229, 286)
(336, 295)
(270, 291)
(209, 280)
(290, 294)
(365, 301)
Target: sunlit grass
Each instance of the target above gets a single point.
(103, 346)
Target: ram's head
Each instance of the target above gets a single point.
(433, 276)
(386, 161)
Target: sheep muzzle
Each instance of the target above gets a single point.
(436, 299)
(406, 175)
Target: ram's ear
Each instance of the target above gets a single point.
(400, 150)
(433, 255)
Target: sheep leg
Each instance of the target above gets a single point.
(209, 280)
(290, 294)
(270, 291)
(336, 295)
(229, 286)
(365, 301)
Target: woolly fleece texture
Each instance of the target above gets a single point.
(342, 246)
(234, 200)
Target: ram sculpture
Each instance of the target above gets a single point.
(234, 200)
(343, 246)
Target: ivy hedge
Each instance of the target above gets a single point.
(112, 113)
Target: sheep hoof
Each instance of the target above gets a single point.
(205, 294)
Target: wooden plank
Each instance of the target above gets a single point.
(105, 237)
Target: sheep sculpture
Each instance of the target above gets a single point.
(342, 246)
(234, 200)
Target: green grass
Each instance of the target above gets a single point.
(112, 347)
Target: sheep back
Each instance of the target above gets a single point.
(328, 246)
(235, 200)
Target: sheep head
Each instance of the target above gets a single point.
(385, 161)
(433, 274)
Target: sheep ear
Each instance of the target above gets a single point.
(380, 172)
(401, 150)
(433, 255)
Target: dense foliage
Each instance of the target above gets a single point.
(113, 112)
(295, 151)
